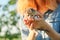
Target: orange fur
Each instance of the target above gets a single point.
(24, 4)
(39, 5)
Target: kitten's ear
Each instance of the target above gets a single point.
(31, 10)
(58, 1)
(38, 13)
(24, 4)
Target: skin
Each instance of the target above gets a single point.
(30, 21)
(31, 16)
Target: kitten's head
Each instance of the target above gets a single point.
(31, 13)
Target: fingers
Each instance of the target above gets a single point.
(34, 31)
(32, 24)
(33, 20)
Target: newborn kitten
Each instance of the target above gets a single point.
(32, 13)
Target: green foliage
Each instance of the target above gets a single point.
(14, 20)
(0, 29)
(12, 2)
(5, 8)
(13, 13)
(11, 18)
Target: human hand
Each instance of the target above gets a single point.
(32, 35)
(34, 20)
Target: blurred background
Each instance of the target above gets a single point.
(9, 28)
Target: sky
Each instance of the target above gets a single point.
(5, 2)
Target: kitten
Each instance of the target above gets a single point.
(32, 13)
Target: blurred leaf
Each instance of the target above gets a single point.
(18, 17)
(3, 15)
(0, 28)
(13, 13)
(0, 22)
(12, 2)
(5, 8)
(6, 22)
(14, 22)
(0, 5)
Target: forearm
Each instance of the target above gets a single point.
(52, 33)
(31, 35)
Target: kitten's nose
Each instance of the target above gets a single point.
(30, 10)
(30, 18)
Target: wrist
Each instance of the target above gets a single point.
(45, 27)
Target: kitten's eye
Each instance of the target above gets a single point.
(36, 16)
(31, 15)
(27, 15)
